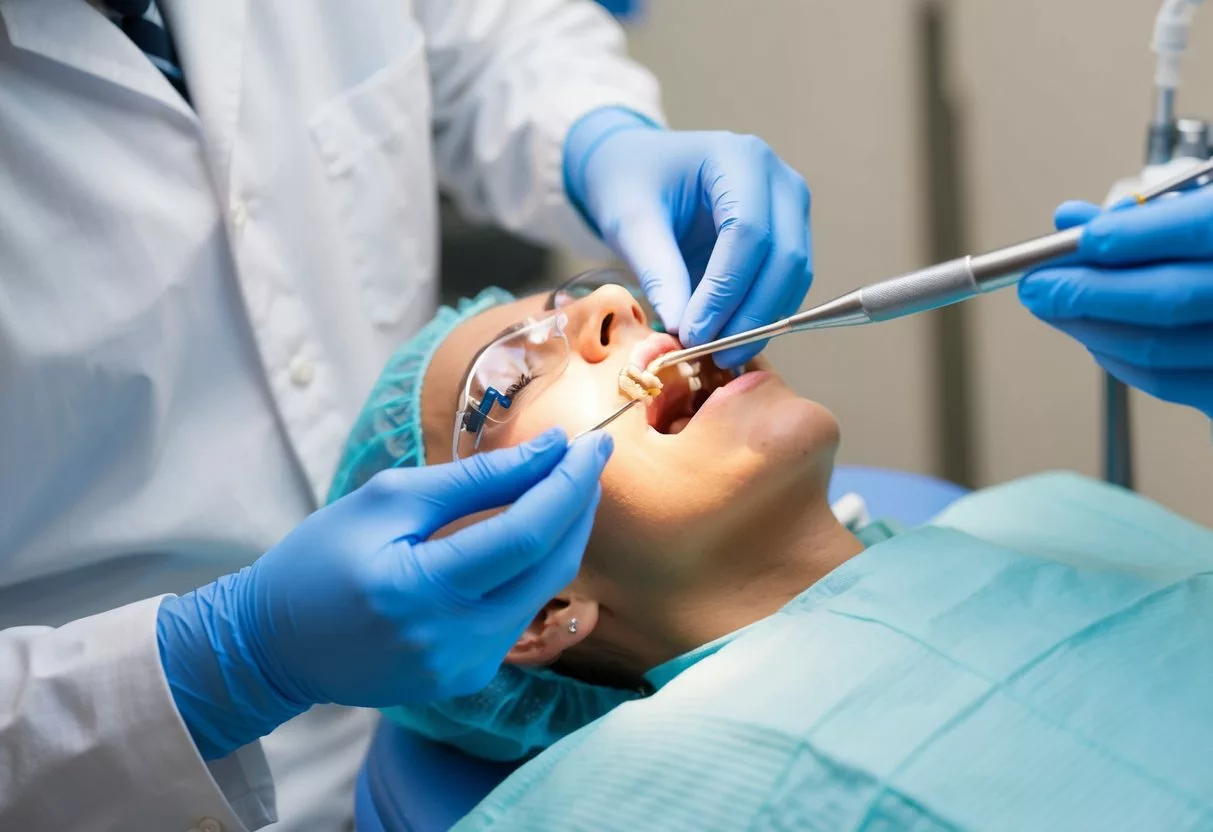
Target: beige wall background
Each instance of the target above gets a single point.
(846, 121)
(1055, 96)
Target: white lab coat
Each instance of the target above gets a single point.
(194, 302)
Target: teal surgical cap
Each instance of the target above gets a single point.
(387, 432)
(522, 711)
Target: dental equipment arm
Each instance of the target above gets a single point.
(1170, 41)
(930, 288)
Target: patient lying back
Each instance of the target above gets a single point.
(1041, 657)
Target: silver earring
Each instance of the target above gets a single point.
(572, 625)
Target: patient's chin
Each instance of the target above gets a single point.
(778, 423)
(791, 444)
(765, 436)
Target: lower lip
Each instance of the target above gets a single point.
(742, 384)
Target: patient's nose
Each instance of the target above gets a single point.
(600, 321)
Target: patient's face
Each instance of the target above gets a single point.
(756, 454)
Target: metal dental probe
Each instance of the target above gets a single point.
(622, 410)
(919, 291)
(930, 288)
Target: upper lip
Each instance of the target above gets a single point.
(657, 344)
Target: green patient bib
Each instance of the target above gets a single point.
(1040, 657)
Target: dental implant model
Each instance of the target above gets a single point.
(644, 385)
(639, 385)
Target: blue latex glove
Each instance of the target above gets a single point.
(1139, 294)
(358, 607)
(716, 213)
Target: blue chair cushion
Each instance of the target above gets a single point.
(910, 499)
(411, 784)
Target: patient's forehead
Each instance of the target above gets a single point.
(441, 387)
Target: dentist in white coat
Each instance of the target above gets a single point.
(217, 218)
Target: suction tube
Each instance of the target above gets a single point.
(1172, 27)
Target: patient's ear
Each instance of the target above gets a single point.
(565, 621)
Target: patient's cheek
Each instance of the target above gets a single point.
(575, 402)
(580, 399)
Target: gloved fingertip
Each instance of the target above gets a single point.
(1028, 290)
(592, 451)
(549, 439)
(1040, 295)
(705, 322)
(735, 359)
(668, 301)
(1073, 213)
(1077, 207)
(669, 319)
(605, 447)
(1098, 240)
(693, 333)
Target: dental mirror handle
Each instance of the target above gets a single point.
(939, 285)
(919, 291)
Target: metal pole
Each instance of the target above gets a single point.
(946, 214)
(1117, 417)
(1117, 433)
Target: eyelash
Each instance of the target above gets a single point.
(517, 386)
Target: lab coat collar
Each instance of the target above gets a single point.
(78, 36)
(209, 37)
(210, 41)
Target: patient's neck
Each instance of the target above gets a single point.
(750, 580)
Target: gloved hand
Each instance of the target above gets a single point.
(358, 607)
(1139, 294)
(715, 213)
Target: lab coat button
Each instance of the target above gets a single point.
(239, 215)
(302, 371)
(209, 825)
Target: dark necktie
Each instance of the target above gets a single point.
(141, 21)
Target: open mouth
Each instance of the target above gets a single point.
(685, 386)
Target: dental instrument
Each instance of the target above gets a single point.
(942, 284)
(929, 288)
(638, 385)
(622, 410)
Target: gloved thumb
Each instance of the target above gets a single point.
(426, 499)
(646, 242)
(489, 555)
(1043, 289)
(1072, 213)
(1050, 293)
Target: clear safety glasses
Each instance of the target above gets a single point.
(523, 361)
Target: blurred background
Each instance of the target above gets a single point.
(926, 129)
